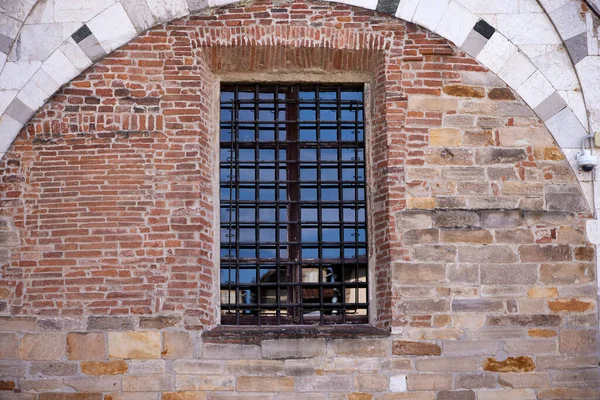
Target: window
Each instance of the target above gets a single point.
(293, 205)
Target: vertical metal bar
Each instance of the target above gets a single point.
(277, 200)
(340, 164)
(256, 200)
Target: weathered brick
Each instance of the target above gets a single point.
(86, 346)
(260, 383)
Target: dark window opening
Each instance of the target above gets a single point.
(293, 205)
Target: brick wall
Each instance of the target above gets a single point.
(480, 266)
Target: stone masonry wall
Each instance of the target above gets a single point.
(483, 283)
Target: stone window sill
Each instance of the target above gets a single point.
(255, 334)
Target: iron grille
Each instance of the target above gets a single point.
(293, 205)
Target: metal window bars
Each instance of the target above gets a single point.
(293, 205)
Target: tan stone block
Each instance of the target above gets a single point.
(260, 383)
(406, 348)
(542, 333)
(255, 367)
(469, 321)
(184, 396)
(569, 393)
(230, 351)
(432, 103)
(72, 396)
(514, 394)
(360, 396)
(476, 236)
(409, 396)
(420, 203)
(567, 273)
(522, 188)
(578, 341)
(96, 368)
(572, 305)
(199, 367)
(542, 292)
(95, 384)
(86, 346)
(17, 324)
(448, 364)
(319, 384)
(9, 346)
(524, 136)
(434, 333)
(242, 396)
(131, 396)
(429, 381)
(137, 367)
(42, 346)
(524, 380)
(511, 364)
(346, 366)
(177, 345)
(150, 383)
(419, 273)
(42, 385)
(371, 383)
(134, 344)
(204, 382)
(442, 156)
(396, 364)
(292, 348)
(361, 347)
(445, 137)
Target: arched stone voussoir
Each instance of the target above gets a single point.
(507, 54)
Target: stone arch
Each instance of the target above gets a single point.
(515, 41)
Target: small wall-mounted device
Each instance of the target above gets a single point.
(585, 160)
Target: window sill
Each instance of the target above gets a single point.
(255, 334)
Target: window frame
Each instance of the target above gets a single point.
(368, 203)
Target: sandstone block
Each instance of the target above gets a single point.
(177, 345)
(420, 203)
(432, 103)
(361, 347)
(475, 236)
(293, 348)
(254, 367)
(512, 394)
(420, 307)
(9, 346)
(500, 156)
(230, 351)
(97, 368)
(530, 346)
(6, 384)
(501, 219)
(448, 364)
(501, 94)
(525, 380)
(407, 348)
(299, 367)
(17, 324)
(464, 173)
(86, 346)
(160, 322)
(413, 273)
(434, 253)
(262, 383)
(542, 253)
(111, 323)
(565, 197)
(414, 219)
(396, 364)
(429, 381)
(465, 273)
(524, 320)
(519, 235)
(479, 138)
(204, 382)
(134, 345)
(371, 383)
(476, 381)
(576, 377)
(464, 91)
(53, 368)
(542, 333)
(409, 396)
(42, 346)
(148, 383)
(515, 274)
(445, 137)
(536, 292)
(511, 364)
(572, 305)
(487, 254)
(477, 305)
(71, 396)
(94, 384)
(421, 236)
(456, 395)
(322, 384)
(184, 396)
(569, 393)
(359, 396)
(146, 366)
(443, 156)
(469, 347)
(567, 273)
(566, 362)
(573, 341)
(202, 367)
(456, 219)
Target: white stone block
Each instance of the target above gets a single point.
(456, 23)
(516, 70)
(566, 129)
(59, 68)
(398, 383)
(139, 13)
(32, 96)
(9, 129)
(3, 58)
(588, 71)
(16, 73)
(83, 11)
(496, 52)
(557, 67)
(9, 26)
(42, 80)
(529, 28)
(42, 13)
(592, 230)
(69, 28)
(568, 19)
(535, 89)
(17, 9)
(37, 42)
(591, 36)
(491, 6)
(406, 9)
(574, 99)
(74, 53)
(217, 3)
(6, 96)
(429, 13)
(112, 28)
(168, 10)
(551, 5)
(529, 6)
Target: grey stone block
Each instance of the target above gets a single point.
(474, 43)
(140, 14)
(550, 107)
(577, 47)
(566, 197)
(92, 48)
(19, 111)
(387, 6)
(112, 323)
(196, 5)
(5, 43)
